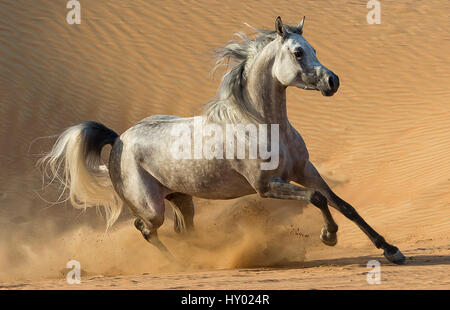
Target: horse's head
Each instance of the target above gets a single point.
(296, 63)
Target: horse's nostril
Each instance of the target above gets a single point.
(333, 82)
(330, 82)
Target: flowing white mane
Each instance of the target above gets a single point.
(230, 103)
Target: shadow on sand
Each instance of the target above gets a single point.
(411, 260)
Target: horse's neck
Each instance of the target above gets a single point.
(267, 95)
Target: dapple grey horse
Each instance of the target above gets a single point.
(142, 170)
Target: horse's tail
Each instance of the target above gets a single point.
(75, 161)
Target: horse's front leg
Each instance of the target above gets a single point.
(283, 190)
(311, 178)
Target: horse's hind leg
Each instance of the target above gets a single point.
(184, 203)
(144, 196)
(151, 235)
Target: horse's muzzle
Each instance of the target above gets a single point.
(330, 84)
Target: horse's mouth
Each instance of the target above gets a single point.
(308, 87)
(328, 93)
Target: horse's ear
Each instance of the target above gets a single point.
(300, 26)
(279, 27)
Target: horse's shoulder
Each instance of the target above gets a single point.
(297, 145)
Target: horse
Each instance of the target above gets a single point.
(142, 171)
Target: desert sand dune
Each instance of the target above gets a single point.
(382, 142)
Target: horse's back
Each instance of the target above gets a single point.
(158, 117)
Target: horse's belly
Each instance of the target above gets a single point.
(200, 178)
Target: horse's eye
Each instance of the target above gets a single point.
(298, 53)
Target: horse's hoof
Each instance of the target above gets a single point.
(328, 238)
(395, 257)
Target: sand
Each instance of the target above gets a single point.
(382, 142)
